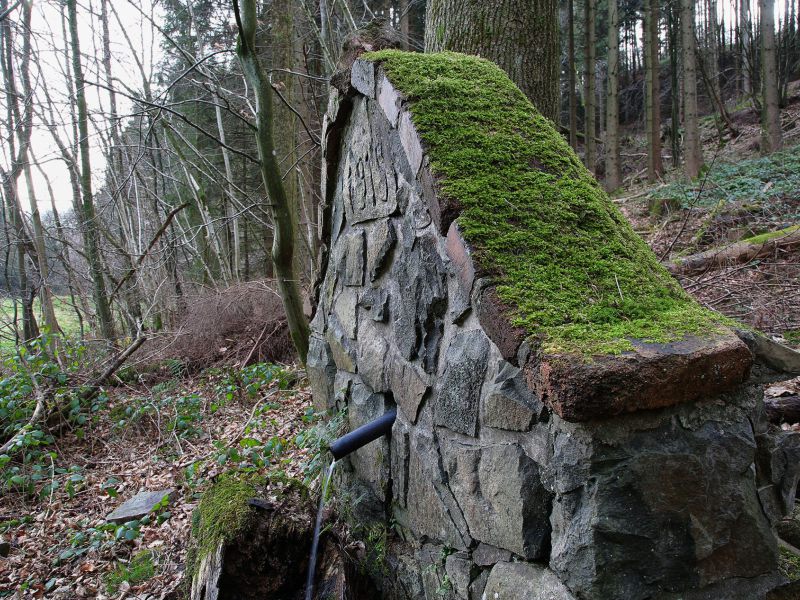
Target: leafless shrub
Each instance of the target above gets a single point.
(238, 325)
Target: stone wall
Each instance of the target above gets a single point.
(507, 475)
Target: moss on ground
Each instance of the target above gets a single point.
(223, 514)
(561, 254)
(765, 237)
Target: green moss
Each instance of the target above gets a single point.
(223, 513)
(561, 254)
(789, 564)
(764, 237)
(139, 569)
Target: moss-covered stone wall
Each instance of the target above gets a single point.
(568, 420)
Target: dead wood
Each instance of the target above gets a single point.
(737, 253)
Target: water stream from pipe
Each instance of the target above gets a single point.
(312, 562)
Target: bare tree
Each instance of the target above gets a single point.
(280, 209)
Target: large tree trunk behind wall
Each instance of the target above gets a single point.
(613, 177)
(770, 114)
(519, 35)
(693, 151)
(589, 100)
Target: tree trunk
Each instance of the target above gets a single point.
(692, 150)
(613, 176)
(652, 92)
(573, 100)
(589, 54)
(87, 214)
(745, 33)
(283, 218)
(772, 139)
(519, 35)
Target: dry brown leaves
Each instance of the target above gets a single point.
(140, 456)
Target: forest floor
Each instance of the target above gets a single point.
(171, 430)
(178, 434)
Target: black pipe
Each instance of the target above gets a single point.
(362, 436)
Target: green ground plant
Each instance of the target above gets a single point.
(140, 568)
(757, 181)
(41, 369)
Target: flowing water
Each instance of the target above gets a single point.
(312, 563)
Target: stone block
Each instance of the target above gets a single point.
(370, 462)
(354, 258)
(526, 581)
(458, 567)
(342, 351)
(381, 240)
(376, 301)
(419, 305)
(679, 505)
(369, 187)
(362, 77)
(409, 385)
(373, 350)
(458, 397)
(486, 556)
(321, 370)
(345, 309)
(652, 376)
(389, 100)
(500, 494)
(428, 514)
(138, 506)
(411, 143)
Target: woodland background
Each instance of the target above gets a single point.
(134, 207)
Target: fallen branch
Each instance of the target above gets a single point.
(40, 413)
(736, 253)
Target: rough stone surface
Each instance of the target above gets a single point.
(321, 371)
(344, 356)
(369, 188)
(138, 506)
(354, 266)
(458, 567)
(624, 511)
(409, 386)
(372, 461)
(525, 581)
(652, 474)
(362, 77)
(389, 100)
(652, 376)
(372, 354)
(410, 141)
(500, 494)
(430, 515)
(486, 556)
(458, 398)
(381, 241)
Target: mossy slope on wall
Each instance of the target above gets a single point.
(562, 256)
